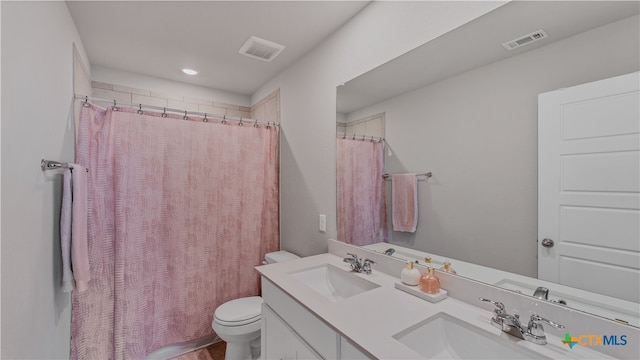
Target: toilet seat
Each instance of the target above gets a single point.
(239, 312)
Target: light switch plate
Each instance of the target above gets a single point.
(322, 223)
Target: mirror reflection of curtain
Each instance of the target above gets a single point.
(361, 200)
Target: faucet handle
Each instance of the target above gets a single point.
(499, 306)
(354, 262)
(535, 330)
(499, 311)
(537, 319)
(366, 266)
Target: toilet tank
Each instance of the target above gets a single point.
(279, 256)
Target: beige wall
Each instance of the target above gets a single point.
(267, 109)
(372, 125)
(147, 97)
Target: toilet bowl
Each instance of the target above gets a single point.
(238, 322)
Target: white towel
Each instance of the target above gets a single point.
(73, 229)
(79, 229)
(65, 232)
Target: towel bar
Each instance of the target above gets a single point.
(51, 165)
(427, 174)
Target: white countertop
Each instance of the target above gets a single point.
(370, 319)
(594, 303)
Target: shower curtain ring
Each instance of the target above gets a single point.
(255, 124)
(164, 112)
(268, 124)
(185, 117)
(205, 118)
(140, 110)
(114, 107)
(86, 101)
(224, 119)
(241, 124)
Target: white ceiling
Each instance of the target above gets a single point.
(479, 43)
(159, 38)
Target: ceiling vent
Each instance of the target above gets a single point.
(525, 40)
(261, 49)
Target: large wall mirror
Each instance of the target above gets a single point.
(461, 111)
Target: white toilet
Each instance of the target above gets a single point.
(238, 321)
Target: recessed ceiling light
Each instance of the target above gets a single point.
(189, 71)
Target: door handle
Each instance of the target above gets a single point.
(548, 243)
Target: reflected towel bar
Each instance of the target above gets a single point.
(427, 175)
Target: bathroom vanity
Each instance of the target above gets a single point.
(315, 307)
(291, 331)
(594, 303)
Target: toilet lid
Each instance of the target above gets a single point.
(239, 311)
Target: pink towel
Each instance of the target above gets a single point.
(73, 229)
(404, 199)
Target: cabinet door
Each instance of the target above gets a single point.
(302, 350)
(310, 329)
(275, 337)
(279, 341)
(350, 352)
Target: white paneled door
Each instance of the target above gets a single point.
(589, 186)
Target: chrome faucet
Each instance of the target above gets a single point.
(358, 265)
(534, 331)
(541, 293)
(496, 320)
(389, 251)
(366, 266)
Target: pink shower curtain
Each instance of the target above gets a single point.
(180, 213)
(361, 192)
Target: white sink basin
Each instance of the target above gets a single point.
(445, 337)
(333, 283)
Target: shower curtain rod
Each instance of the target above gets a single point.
(360, 137)
(179, 111)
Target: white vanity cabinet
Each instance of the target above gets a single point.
(279, 341)
(290, 331)
(350, 352)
